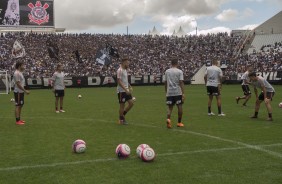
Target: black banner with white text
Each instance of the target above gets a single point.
(100, 81)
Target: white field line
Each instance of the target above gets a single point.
(55, 164)
(258, 148)
(114, 159)
(39, 166)
(270, 145)
(254, 147)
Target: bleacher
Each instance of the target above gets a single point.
(263, 40)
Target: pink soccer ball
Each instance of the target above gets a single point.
(79, 146)
(140, 148)
(123, 151)
(148, 155)
(280, 105)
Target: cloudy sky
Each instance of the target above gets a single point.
(113, 16)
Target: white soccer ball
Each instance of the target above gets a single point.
(148, 155)
(122, 151)
(79, 96)
(12, 100)
(79, 146)
(280, 105)
(134, 99)
(140, 148)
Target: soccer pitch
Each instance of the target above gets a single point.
(212, 150)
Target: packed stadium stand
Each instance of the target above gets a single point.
(263, 40)
(149, 54)
(262, 49)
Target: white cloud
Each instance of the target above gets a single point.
(248, 12)
(227, 15)
(87, 14)
(84, 14)
(257, 0)
(233, 14)
(214, 30)
(180, 7)
(272, 2)
(172, 23)
(248, 27)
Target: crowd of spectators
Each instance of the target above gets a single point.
(267, 59)
(148, 55)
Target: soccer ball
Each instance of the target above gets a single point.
(79, 96)
(79, 146)
(280, 105)
(140, 148)
(148, 155)
(12, 100)
(122, 151)
(134, 99)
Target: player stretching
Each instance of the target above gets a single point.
(213, 79)
(266, 95)
(59, 87)
(19, 92)
(245, 87)
(174, 88)
(124, 91)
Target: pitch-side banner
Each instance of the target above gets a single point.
(145, 80)
(95, 81)
(35, 13)
(270, 76)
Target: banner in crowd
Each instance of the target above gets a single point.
(35, 13)
(104, 55)
(18, 50)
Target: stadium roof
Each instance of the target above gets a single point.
(271, 26)
(32, 29)
(181, 32)
(154, 31)
(174, 33)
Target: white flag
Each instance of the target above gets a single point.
(18, 50)
(103, 57)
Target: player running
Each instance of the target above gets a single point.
(19, 91)
(174, 88)
(213, 79)
(266, 95)
(245, 87)
(124, 91)
(59, 87)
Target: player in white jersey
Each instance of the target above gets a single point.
(19, 92)
(124, 91)
(174, 88)
(213, 79)
(266, 95)
(59, 87)
(245, 87)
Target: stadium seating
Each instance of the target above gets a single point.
(261, 40)
(148, 55)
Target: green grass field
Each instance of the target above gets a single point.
(212, 150)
